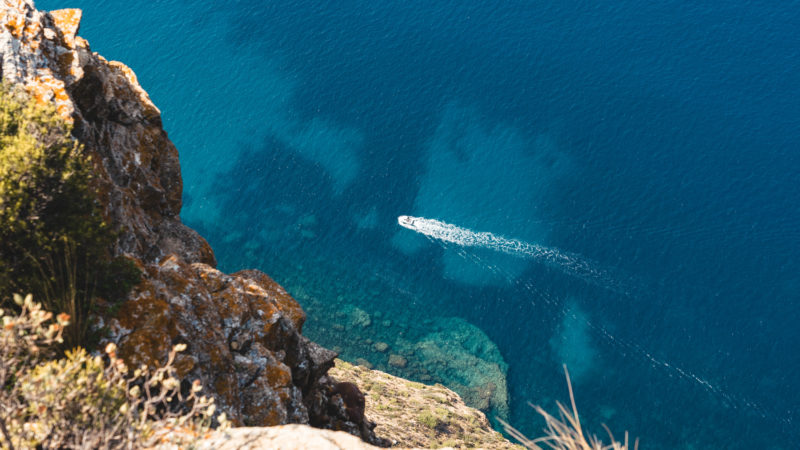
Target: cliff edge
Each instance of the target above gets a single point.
(243, 330)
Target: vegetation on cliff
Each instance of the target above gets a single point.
(83, 401)
(53, 239)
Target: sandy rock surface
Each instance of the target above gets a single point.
(285, 437)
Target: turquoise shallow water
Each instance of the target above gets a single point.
(655, 145)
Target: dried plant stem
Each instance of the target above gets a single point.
(565, 432)
(6, 434)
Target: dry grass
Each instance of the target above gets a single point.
(61, 291)
(565, 431)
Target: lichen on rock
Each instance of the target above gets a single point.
(243, 338)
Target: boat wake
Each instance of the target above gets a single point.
(571, 264)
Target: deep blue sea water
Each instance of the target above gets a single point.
(657, 143)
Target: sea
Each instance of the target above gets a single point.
(607, 186)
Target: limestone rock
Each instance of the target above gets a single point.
(286, 437)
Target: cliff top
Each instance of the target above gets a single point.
(412, 414)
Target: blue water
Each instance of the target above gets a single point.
(657, 140)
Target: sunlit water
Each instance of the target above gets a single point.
(654, 145)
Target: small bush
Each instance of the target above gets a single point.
(53, 240)
(84, 401)
(428, 419)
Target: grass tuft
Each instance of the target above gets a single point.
(565, 431)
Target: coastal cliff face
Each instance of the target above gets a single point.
(138, 173)
(243, 330)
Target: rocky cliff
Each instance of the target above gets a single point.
(243, 331)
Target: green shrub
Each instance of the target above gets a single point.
(84, 401)
(53, 240)
(428, 419)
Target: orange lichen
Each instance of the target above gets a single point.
(132, 89)
(218, 354)
(15, 23)
(283, 301)
(172, 274)
(278, 375)
(126, 71)
(145, 346)
(229, 305)
(46, 88)
(81, 42)
(68, 22)
(266, 413)
(184, 364)
(146, 309)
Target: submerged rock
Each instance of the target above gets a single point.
(364, 363)
(357, 317)
(397, 361)
(449, 351)
(381, 347)
(464, 358)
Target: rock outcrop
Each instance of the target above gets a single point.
(243, 331)
(415, 415)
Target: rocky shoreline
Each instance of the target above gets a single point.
(242, 330)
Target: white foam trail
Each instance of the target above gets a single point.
(570, 263)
